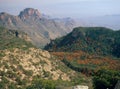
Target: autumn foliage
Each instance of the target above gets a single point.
(83, 59)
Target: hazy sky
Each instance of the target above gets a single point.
(64, 8)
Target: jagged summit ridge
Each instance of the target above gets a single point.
(29, 12)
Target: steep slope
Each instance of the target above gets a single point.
(90, 50)
(96, 40)
(36, 25)
(21, 64)
(13, 38)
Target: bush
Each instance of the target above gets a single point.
(42, 84)
(106, 79)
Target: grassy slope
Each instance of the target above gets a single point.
(9, 39)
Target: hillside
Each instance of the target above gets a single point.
(13, 38)
(92, 40)
(39, 27)
(23, 66)
(93, 51)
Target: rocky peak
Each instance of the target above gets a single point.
(29, 13)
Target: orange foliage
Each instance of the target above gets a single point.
(89, 59)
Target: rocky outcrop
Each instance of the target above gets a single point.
(117, 85)
(29, 13)
(74, 87)
(80, 87)
(39, 62)
(39, 27)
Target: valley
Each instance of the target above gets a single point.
(40, 52)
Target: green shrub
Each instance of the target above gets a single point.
(104, 79)
(42, 84)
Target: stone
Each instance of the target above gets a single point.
(80, 87)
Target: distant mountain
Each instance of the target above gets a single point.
(109, 21)
(67, 23)
(96, 40)
(41, 28)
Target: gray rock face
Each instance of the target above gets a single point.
(117, 85)
(39, 29)
(29, 13)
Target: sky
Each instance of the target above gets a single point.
(64, 8)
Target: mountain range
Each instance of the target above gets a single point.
(109, 21)
(39, 27)
(42, 28)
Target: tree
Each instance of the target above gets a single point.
(104, 79)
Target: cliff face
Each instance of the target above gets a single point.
(39, 27)
(29, 13)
